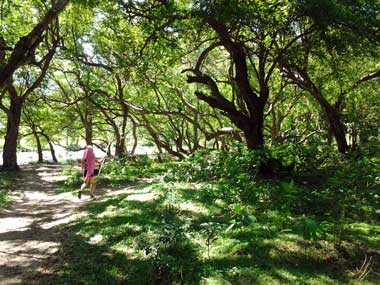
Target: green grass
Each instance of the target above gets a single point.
(114, 173)
(5, 199)
(5, 184)
(176, 239)
(226, 230)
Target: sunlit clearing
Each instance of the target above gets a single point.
(112, 211)
(214, 281)
(188, 206)
(142, 197)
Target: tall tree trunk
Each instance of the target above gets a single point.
(120, 143)
(251, 119)
(51, 146)
(134, 133)
(52, 151)
(120, 146)
(337, 127)
(254, 130)
(13, 124)
(195, 130)
(88, 130)
(274, 132)
(86, 118)
(120, 135)
(39, 147)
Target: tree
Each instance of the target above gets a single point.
(43, 123)
(327, 38)
(24, 51)
(22, 58)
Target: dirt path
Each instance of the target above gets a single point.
(29, 229)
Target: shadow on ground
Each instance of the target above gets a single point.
(146, 241)
(29, 234)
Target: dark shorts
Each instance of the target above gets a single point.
(96, 172)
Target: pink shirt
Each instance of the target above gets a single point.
(89, 157)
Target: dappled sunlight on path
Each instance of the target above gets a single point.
(29, 236)
(145, 193)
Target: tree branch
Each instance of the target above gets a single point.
(26, 46)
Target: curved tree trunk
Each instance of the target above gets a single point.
(336, 125)
(109, 153)
(337, 128)
(250, 119)
(52, 151)
(22, 53)
(119, 134)
(39, 148)
(134, 133)
(159, 143)
(303, 80)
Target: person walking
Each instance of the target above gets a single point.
(87, 164)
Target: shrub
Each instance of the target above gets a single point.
(311, 180)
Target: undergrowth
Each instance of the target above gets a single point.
(5, 184)
(285, 215)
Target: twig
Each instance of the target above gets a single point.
(365, 269)
(103, 159)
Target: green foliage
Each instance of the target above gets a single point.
(179, 232)
(73, 147)
(314, 180)
(171, 252)
(311, 229)
(206, 165)
(242, 165)
(73, 181)
(4, 198)
(219, 215)
(357, 17)
(118, 171)
(5, 184)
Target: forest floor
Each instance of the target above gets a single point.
(29, 237)
(152, 231)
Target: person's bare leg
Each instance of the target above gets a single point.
(83, 186)
(92, 190)
(85, 183)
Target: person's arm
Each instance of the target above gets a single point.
(82, 161)
(100, 161)
(82, 165)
